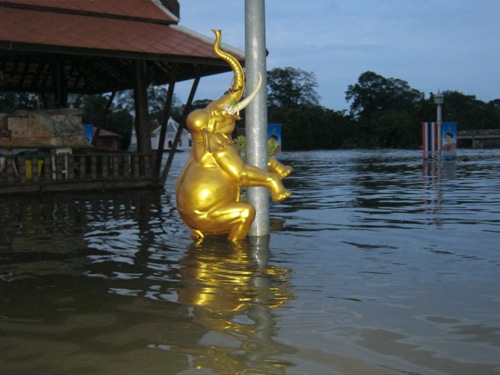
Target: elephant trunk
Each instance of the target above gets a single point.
(238, 86)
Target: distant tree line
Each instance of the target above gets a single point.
(384, 112)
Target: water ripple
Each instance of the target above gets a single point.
(378, 261)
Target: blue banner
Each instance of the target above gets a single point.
(89, 132)
(274, 131)
(449, 139)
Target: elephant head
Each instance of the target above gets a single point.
(221, 114)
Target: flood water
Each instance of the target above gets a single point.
(378, 264)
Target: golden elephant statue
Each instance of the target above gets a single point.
(208, 189)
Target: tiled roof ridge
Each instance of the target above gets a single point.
(166, 10)
(43, 8)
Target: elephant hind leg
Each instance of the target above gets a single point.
(196, 234)
(232, 218)
(242, 226)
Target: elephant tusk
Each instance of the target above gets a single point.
(236, 108)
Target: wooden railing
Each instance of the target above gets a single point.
(76, 172)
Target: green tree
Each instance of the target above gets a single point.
(491, 115)
(374, 93)
(469, 112)
(294, 102)
(157, 97)
(292, 88)
(311, 128)
(386, 111)
(118, 120)
(121, 122)
(12, 101)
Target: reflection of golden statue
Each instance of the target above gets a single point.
(232, 291)
(208, 190)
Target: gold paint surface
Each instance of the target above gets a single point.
(208, 189)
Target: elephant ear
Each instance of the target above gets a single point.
(214, 141)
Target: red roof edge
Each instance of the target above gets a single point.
(107, 9)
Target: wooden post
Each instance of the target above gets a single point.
(60, 94)
(187, 109)
(141, 108)
(164, 124)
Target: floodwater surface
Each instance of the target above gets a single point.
(380, 263)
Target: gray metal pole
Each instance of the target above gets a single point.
(256, 112)
(439, 123)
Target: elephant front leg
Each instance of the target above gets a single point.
(280, 169)
(253, 176)
(229, 160)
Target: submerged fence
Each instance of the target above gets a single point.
(76, 172)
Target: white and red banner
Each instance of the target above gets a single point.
(430, 139)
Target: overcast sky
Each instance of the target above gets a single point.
(432, 44)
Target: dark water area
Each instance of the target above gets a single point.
(380, 263)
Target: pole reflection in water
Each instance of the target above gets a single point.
(438, 183)
(232, 291)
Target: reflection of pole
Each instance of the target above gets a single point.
(262, 336)
(256, 112)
